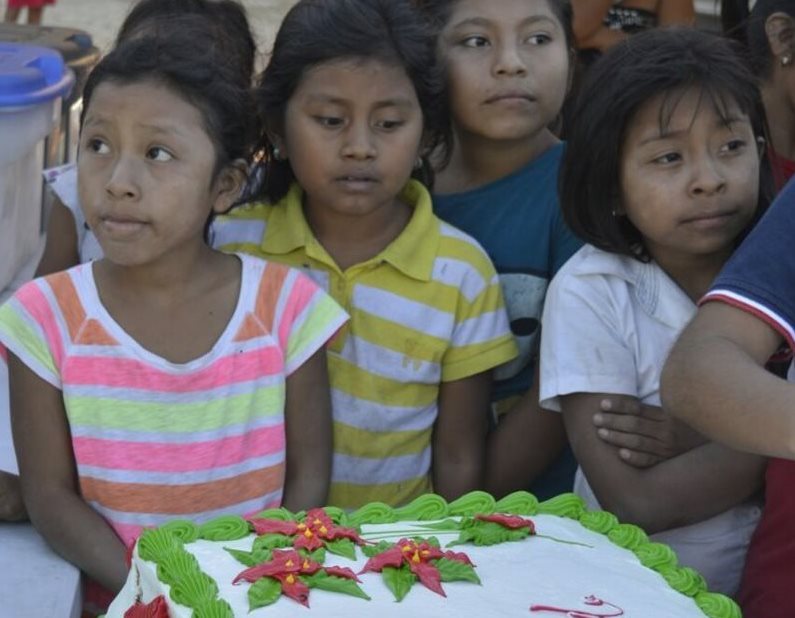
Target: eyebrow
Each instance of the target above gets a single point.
(157, 129)
(727, 122)
(328, 98)
(482, 21)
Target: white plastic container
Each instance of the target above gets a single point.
(33, 80)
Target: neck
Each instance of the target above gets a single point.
(351, 239)
(477, 161)
(781, 120)
(694, 274)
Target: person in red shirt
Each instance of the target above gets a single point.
(767, 32)
(35, 10)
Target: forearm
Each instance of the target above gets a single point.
(684, 490)
(453, 478)
(79, 534)
(723, 392)
(12, 507)
(523, 445)
(305, 489)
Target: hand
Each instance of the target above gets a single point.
(644, 435)
(12, 508)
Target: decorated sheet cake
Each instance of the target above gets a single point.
(472, 557)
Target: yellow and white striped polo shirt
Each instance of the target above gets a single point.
(428, 309)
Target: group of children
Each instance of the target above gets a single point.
(329, 288)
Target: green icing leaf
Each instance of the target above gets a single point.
(225, 528)
(488, 533)
(372, 550)
(656, 555)
(518, 503)
(471, 503)
(281, 514)
(399, 580)
(194, 589)
(599, 521)
(565, 505)
(186, 531)
(323, 581)
(272, 541)
(424, 508)
(717, 606)
(431, 540)
(446, 524)
(213, 609)
(156, 544)
(319, 555)
(373, 513)
(244, 557)
(342, 547)
(684, 579)
(337, 515)
(453, 570)
(265, 591)
(628, 536)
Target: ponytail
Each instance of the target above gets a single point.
(734, 16)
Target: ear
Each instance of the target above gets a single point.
(229, 185)
(780, 31)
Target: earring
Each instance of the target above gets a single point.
(277, 153)
(418, 163)
(786, 60)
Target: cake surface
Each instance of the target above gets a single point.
(568, 562)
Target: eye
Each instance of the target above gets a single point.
(668, 157)
(158, 153)
(389, 125)
(330, 122)
(97, 146)
(539, 38)
(475, 40)
(734, 145)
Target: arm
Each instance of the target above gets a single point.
(526, 442)
(49, 484)
(12, 508)
(715, 380)
(60, 250)
(308, 419)
(683, 490)
(589, 29)
(459, 435)
(644, 435)
(676, 13)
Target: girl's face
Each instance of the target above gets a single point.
(145, 172)
(690, 186)
(508, 67)
(352, 133)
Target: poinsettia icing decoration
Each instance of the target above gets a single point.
(156, 608)
(293, 575)
(315, 531)
(409, 560)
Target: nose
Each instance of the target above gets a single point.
(508, 62)
(708, 176)
(359, 143)
(123, 183)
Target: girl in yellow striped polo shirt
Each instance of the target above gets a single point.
(353, 98)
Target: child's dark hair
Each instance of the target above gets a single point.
(439, 12)
(657, 62)
(184, 63)
(748, 27)
(317, 31)
(224, 22)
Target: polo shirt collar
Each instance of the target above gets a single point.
(413, 252)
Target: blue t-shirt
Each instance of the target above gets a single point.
(518, 222)
(517, 219)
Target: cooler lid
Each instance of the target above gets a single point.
(31, 75)
(76, 46)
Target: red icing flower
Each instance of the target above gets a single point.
(514, 522)
(287, 566)
(418, 557)
(312, 533)
(157, 608)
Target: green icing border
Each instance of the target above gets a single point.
(655, 556)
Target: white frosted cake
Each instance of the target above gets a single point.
(472, 557)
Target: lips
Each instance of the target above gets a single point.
(708, 220)
(357, 182)
(121, 225)
(511, 95)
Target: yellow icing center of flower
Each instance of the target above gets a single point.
(289, 563)
(290, 579)
(323, 530)
(416, 557)
(308, 534)
(305, 565)
(302, 526)
(317, 522)
(425, 552)
(407, 548)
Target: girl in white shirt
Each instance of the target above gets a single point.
(661, 177)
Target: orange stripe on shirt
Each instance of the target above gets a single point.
(183, 499)
(68, 301)
(268, 294)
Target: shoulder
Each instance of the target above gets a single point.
(458, 245)
(245, 225)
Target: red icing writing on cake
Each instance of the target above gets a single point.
(609, 611)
